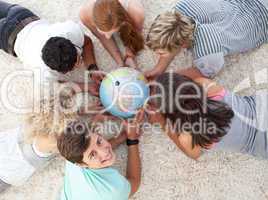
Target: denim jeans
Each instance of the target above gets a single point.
(10, 16)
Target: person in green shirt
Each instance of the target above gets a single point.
(88, 172)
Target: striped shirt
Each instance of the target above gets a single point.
(224, 27)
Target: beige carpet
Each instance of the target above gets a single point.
(167, 173)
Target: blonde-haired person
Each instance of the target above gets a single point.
(32, 145)
(210, 29)
(106, 17)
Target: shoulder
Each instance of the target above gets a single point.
(187, 7)
(136, 12)
(86, 13)
(207, 40)
(182, 4)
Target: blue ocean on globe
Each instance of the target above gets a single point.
(124, 91)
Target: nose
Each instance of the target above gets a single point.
(103, 152)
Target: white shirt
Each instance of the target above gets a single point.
(14, 169)
(32, 38)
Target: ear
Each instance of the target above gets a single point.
(185, 45)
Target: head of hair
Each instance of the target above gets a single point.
(110, 14)
(59, 54)
(170, 31)
(74, 141)
(48, 120)
(207, 112)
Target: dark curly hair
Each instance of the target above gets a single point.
(208, 110)
(59, 54)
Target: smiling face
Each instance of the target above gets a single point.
(99, 154)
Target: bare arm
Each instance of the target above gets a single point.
(134, 168)
(134, 162)
(88, 52)
(161, 66)
(46, 144)
(108, 44)
(184, 143)
(137, 14)
(92, 87)
(115, 142)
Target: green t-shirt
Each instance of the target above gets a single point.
(98, 184)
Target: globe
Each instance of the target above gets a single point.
(123, 92)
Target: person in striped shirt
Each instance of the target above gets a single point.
(211, 29)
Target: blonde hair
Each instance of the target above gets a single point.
(169, 31)
(109, 14)
(49, 121)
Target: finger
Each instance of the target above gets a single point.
(98, 102)
(150, 108)
(140, 116)
(125, 123)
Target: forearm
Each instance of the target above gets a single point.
(113, 50)
(134, 168)
(164, 62)
(115, 142)
(88, 52)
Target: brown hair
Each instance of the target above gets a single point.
(109, 14)
(74, 141)
(209, 111)
(169, 31)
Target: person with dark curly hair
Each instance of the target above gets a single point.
(58, 49)
(199, 115)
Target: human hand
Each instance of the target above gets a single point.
(130, 62)
(152, 74)
(93, 88)
(97, 76)
(133, 128)
(154, 115)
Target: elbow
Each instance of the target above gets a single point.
(135, 185)
(194, 156)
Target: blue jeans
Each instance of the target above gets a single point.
(10, 16)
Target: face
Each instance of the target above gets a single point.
(109, 34)
(99, 153)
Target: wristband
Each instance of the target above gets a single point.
(132, 142)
